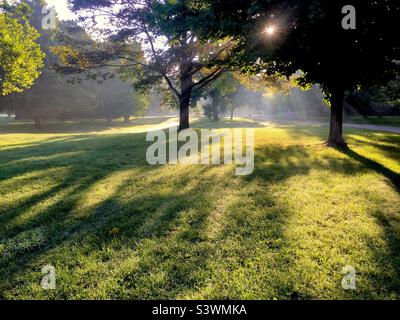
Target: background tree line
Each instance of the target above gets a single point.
(53, 95)
(217, 51)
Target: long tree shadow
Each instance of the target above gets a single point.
(91, 159)
(146, 216)
(154, 215)
(76, 127)
(392, 255)
(275, 164)
(62, 219)
(159, 215)
(389, 174)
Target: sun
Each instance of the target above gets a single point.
(270, 30)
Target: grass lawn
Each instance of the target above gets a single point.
(82, 198)
(387, 121)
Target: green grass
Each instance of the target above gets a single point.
(82, 198)
(388, 121)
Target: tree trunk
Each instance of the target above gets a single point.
(336, 123)
(38, 123)
(127, 119)
(184, 112)
(186, 80)
(232, 114)
(215, 110)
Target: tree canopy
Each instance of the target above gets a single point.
(168, 32)
(287, 36)
(20, 55)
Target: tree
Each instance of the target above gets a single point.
(136, 106)
(220, 93)
(51, 95)
(20, 55)
(308, 35)
(114, 98)
(168, 32)
(377, 100)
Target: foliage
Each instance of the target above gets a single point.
(168, 30)
(114, 98)
(309, 37)
(20, 55)
(220, 92)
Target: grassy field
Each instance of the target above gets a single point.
(81, 197)
(386, 121)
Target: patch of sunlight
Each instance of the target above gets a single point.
(333, 223)
(283, 137)
(389, 160)
(102, 190)
(218, 217)
(48, 158)
(28, 185)
(43, 207)
(16, 139)
(142, 128)
(269, 124)
(375, 138)
(23, 140)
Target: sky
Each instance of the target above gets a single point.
(62, 9)
(65, 14)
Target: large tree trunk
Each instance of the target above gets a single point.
(186, 80)
(184, 112)
(38, 123)
(336, 123)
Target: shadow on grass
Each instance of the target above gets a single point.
(389, 174)
(168, 213)
(142, 209)
(162, 216)
(82, 126)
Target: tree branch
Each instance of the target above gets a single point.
(206, 80)
(153, 50)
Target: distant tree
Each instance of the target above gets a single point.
(256, 88)
(136, 106)
(52, 95)
(287, 36)
(377, 100)
(220, 93)
(115, 98)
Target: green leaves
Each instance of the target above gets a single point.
(20, 56)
